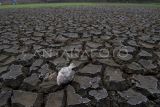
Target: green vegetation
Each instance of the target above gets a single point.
(53, 5)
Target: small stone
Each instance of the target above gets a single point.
(96, 33)
(8, 60)
(93, 45)
(156, 38)
(55, 99)
(1, 85)
(38, 34)
(70, 35)
(2, 57)
(4, 98)
(147, 64)
(48, 86)
(148, 83)
(59, 61)
(144, 38)
(159, 62)
(74, 99)
(14, 77)
(117, 42)
(77, 63)
(91, 69)
(145, 54)
(4, 47)
(113, 74)
(61, 38)
(158, 54)
(107, 32)
(150, 41)
(126, 57)
(108, 45)
(86, 35)
(132, 43)
(134, 66)
(13, 49)
(29, 42)
(71, 48)
(132, 97)
(87, 82)
(95, 82)
(105, 37)
(146, 45)
(31, 82)
(36, 64)
(129, 49)
(108, 61)
(44, 69)
(26, 99)
(98, 94)
(116, 31)
(25, 57)
(33, 38)
(83, 57)
(113, 79)
(37, 47)
(3, 69)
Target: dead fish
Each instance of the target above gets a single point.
(66, 74)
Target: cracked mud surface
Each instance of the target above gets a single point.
(103, 79)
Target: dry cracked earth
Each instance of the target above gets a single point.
(34, 42)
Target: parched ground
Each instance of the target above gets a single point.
(116, 51)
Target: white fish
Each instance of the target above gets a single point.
(66, 74)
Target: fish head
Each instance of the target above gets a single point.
(72, 65)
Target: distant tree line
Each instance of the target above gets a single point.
(130, 1)
(124, 1)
